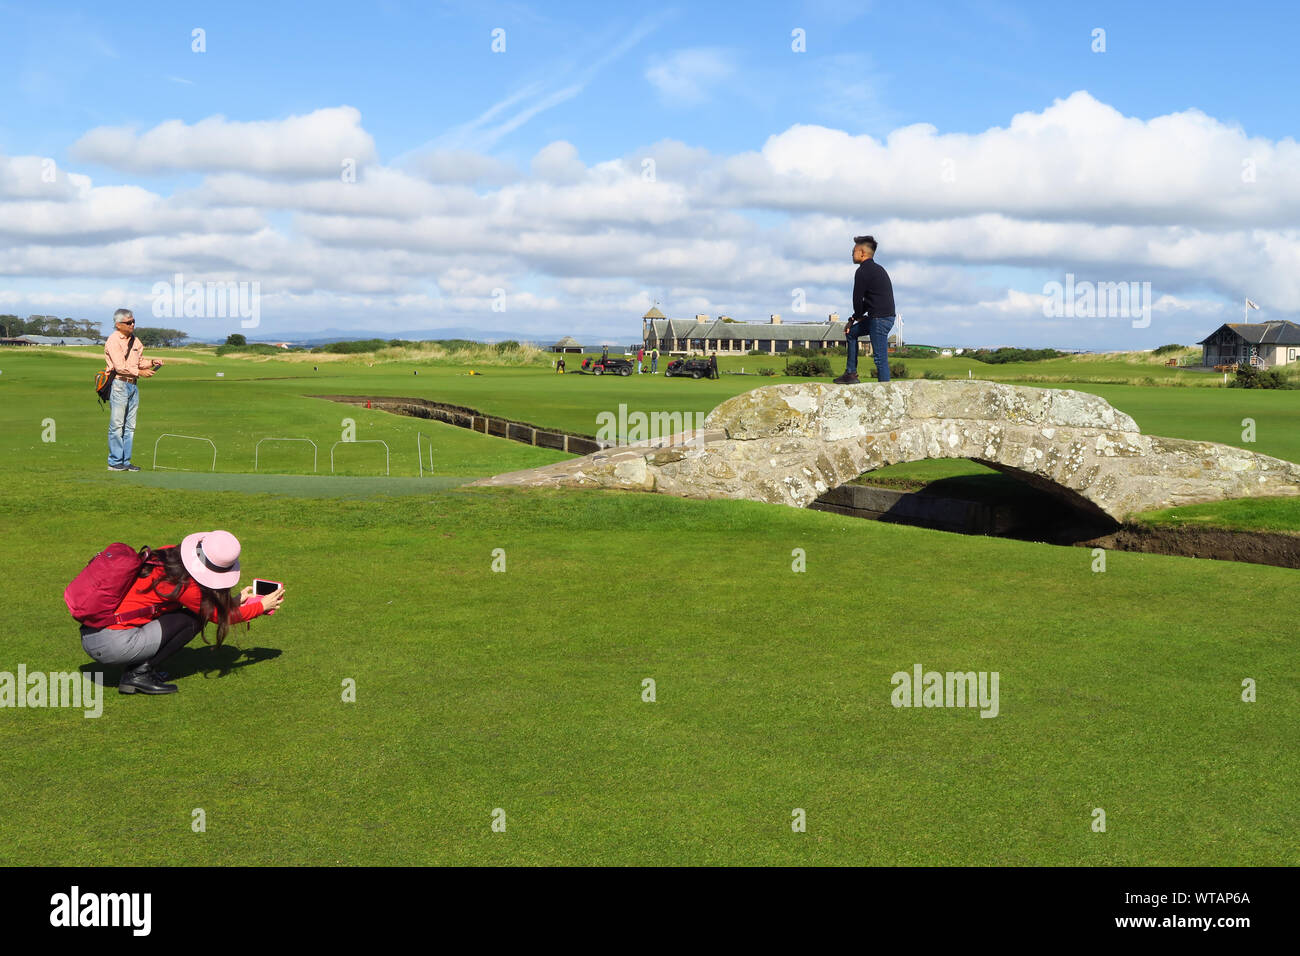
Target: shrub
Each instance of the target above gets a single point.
(235, 338)
(1165, 349)
(767, 371)
(932, 374)
(799, 350)
(1003, 355)
(509, 345)
(808, 367)
(257, 348)
(896, 370)
(1250, 377)
(755, 352)
(348, 348)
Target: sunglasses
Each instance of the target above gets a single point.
(132, 322)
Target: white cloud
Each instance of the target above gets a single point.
(1076, 187)
(558, 163)
(1079, 160)
(38, 177)
(461, 166)
(312, 145)
(688, 77)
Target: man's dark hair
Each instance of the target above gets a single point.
(865, 241)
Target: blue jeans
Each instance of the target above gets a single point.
(124, 399)
(878, 331)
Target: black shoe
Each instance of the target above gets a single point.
(848, 378)
(142, 680)
(131, 468)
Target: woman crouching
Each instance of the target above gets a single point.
(180, 590)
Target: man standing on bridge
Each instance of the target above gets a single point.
(873, 312)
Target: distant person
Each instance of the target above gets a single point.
(604, 354)
(873, 312)
(640, 360)
(175, 601)
(559, 366)
(124, 355)
(654, 361)
(713, 365)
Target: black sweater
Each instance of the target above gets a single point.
(873, 293)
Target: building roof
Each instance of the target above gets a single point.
(568, 342)
(717, 329)
(653, 314)
(59, 340)
(1260, 333)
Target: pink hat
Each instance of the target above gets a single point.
(212, 558)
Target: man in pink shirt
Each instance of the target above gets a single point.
(124, 354)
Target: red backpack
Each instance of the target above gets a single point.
(94, 595)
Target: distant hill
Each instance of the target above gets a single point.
(323, 336)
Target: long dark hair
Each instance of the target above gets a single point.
(213, 599)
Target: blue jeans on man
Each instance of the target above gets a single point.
(877, 330)
(124, 399)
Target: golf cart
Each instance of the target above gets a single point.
(695, 368)
(612, 366)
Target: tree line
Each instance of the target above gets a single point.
(48, 325)
(56, 327)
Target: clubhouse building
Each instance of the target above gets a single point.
(1262, 344)
(702, 335)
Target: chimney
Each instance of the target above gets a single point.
(833, 318)
(701, 318)
(776, 320)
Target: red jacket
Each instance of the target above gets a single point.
(150, 604)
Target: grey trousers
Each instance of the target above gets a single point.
(127, 646)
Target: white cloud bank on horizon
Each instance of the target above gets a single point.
(1195, 206)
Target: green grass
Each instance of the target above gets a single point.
(235, 412)
(1252, 514)
(522, 690)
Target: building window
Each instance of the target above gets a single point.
(1290, 355)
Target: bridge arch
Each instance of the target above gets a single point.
(790, 443)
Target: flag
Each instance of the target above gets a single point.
(1251, 305)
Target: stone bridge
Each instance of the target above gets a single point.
(790, 443)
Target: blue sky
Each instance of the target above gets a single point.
(767, 160)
